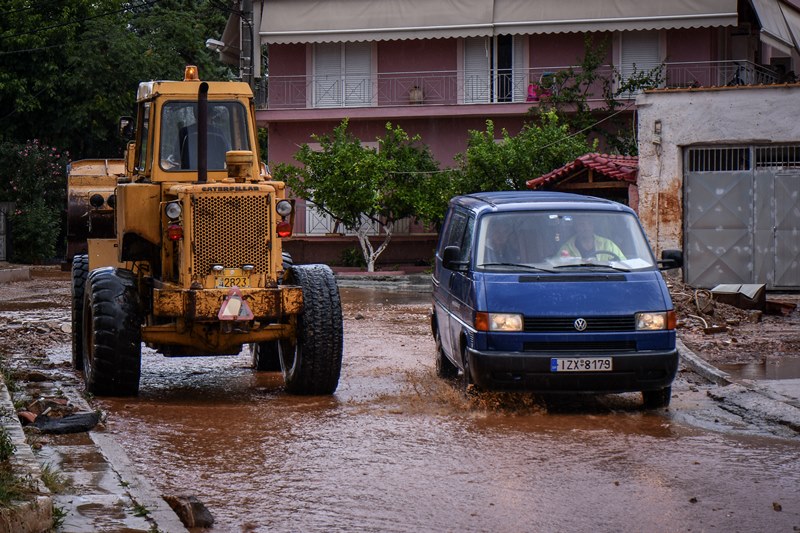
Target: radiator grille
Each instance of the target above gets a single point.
(231, 230)
(593, 324)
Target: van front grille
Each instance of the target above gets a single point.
(567, 324)
(231, 230)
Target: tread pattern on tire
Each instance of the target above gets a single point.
(113, 310)
(80, 271)
(445, 369)
(265, 356)
(319, 332)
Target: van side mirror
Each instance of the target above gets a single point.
(670, 259)
(451, 258)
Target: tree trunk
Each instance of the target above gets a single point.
(371, 254)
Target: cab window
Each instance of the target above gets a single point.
(227, 130)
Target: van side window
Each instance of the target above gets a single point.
(458, 232)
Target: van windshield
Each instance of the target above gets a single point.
(554, 240)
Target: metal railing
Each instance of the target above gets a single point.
(430, 88)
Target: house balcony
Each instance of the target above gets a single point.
(459, 93)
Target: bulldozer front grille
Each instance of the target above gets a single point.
(230, 230)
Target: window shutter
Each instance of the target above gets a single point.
(520, 72)
(639, 50)
(328, 75)
(477, 81)
(357, 79)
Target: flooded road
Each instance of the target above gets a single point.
(396, 449)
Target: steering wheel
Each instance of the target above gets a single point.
(614, 257)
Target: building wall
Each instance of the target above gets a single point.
(723, 116)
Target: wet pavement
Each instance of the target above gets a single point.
(396, 449)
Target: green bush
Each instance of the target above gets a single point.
(33, 176)
(34, 230)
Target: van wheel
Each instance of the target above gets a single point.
(312, 361)
(265, 356)
(467, 382)
(112, 335)
(80, 271)
(444, 368)
(655, 399)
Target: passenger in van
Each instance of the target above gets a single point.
(586, 244)
(502, 242)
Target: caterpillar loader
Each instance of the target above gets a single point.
(183, 248)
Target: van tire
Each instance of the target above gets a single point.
(265, 356)
(80, 271)
(112, 334)
(656, 399)
(444, 368)
(312, 362)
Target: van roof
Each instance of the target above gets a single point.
(522, 200)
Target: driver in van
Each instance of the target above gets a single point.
(585, 243)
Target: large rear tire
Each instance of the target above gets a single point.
(80, 271)
(312, 362)
(112, 334)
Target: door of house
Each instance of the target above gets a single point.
(742, 215)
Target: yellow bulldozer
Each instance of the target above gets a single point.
(178, 246)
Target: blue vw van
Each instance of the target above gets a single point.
(552, 292)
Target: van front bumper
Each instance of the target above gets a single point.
(515, 371)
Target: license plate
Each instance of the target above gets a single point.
(232, 277)
(581, 364)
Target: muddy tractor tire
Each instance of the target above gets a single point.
(656, 399)
(80, 271)
(312, 362)
(112, 335)
(265, 356)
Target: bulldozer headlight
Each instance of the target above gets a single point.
(284, 208)
(173, 210)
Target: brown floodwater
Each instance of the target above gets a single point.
(396, 449)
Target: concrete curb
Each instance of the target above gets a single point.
(701, 367)
(749, 399)
(34, 515)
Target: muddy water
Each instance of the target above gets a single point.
(396, 449)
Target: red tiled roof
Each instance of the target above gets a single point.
(620, 167)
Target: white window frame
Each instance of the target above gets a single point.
(479, 79)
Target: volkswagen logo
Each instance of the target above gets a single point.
(580, 324)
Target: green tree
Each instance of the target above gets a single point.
(489, 165)
(69, 68)
(360, 186)
(572, 89)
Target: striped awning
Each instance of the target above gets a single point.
(311, 21)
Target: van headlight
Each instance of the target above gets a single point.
(498, 322)
(655, 321)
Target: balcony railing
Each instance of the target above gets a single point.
(431, 88)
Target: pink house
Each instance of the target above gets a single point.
(439, 68)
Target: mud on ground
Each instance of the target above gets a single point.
(724, 334)
(35, 314)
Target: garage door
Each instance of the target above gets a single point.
(742, 215)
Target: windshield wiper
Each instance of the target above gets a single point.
(516, 265)
(593, 265)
